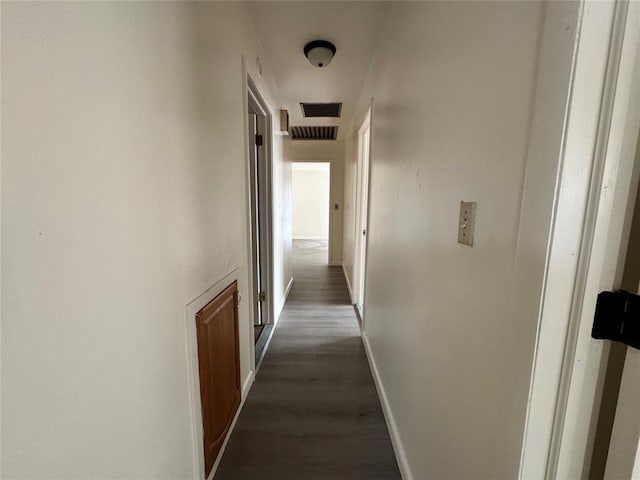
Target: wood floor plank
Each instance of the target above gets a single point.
(313, 412)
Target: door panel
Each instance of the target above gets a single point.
(259, 173)
(623, 461)
(256, 232)
(262, 188)
(219, 365)
(362, 200)
(618, 428)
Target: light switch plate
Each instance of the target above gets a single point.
(467, 223)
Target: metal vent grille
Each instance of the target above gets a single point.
(314, 133)
(321, 109)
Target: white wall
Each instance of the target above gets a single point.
(123, 198)
(310, 200)
(333, 152)
(282, 228)
(469, 102)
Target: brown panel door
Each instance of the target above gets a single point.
(219, 362)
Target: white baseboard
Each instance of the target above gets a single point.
(282, 302)
(286, 291)
(398, 448)
(266, 346)
(275, 323)
(335, 264)
(245, 391)
(303, 237)
(346, 277)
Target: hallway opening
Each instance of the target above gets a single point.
(310, 197)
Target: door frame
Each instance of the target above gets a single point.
(620, 457)
(251, 94)
(586, 248)
(362, 198)
(330, 230)
(332, 192)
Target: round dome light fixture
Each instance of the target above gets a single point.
(319, 52)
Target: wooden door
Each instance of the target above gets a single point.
(219, 364)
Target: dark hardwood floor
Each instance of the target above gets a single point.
(313, 412)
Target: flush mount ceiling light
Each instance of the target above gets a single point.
(319, 52)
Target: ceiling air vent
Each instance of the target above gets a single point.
(321, 109)
(314, 133)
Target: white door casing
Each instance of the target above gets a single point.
(362, 201)
(596, 180)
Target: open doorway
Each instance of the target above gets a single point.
(362, 213)
(310, 198)
(259, 179)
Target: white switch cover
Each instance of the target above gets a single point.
(467, 223)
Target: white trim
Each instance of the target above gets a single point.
(396, 441)
(266, 346)
(283, 302)
(346, 277)
(562, 267)
(335, 264)
(250, 88)
(583, 253)
(285, 296)
(362, 202)
(245, 390)
(623, 456)
(195, 410)
(612, 209)
(287, 290)
(332, 174)
(249, 242)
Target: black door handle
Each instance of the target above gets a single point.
(617, 318)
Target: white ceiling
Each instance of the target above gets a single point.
(285, 27)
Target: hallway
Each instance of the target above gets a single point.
(313, 411)
(473, 167)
